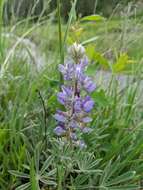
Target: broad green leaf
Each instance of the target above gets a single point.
(101, 59)
(97, 57)
(90, 50)
(122, 63)
(93, 18)
(100, 98)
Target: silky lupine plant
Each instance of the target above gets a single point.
(73, 121)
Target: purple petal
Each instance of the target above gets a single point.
(60, 117)
(67, 90)
(78, 105)
(84, 62)
(62, 69)
(73, 136)
(78, 71)
(86, 130)
(61, 98)
(88, 106)
(59, 131)
(89, 85)
(86, 99)
(67, 70)
(81, 144)
(73, 124)
(87, 119)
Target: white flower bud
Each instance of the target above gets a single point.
(76, 51)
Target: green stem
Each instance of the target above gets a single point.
(1, 23)
(60, 37)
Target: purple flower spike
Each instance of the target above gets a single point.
(77, 104)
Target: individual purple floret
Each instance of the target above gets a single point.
(59, 130)
(87, 104)
(75, 97)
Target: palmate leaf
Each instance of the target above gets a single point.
(88, 164)
(122, 178)
(111, 180)
(24, 186)
(37, 152)
(47, 181)
(80, 182)
(50, 173)
(110, 170)
(81, 179)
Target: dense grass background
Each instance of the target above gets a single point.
(31, 156)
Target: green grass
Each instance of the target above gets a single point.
(33, 158)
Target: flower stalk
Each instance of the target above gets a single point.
(73, 121)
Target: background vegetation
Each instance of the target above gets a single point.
(24, 8)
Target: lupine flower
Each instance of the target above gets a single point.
(77, 105)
